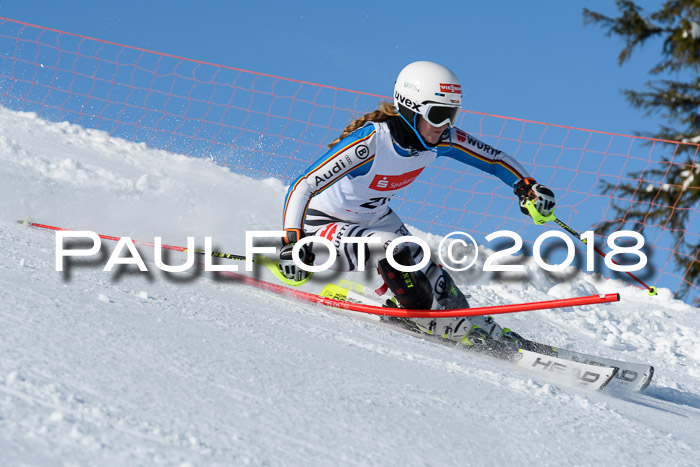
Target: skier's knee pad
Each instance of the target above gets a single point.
(411, 289)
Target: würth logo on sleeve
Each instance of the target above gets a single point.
(394, 182)
(451, 88)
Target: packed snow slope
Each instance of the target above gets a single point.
(135, 368)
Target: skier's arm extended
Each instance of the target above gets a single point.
(471, 151)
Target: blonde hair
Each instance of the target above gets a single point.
(385, 111)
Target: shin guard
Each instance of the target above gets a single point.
(411, 289)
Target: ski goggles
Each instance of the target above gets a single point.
(437, 114)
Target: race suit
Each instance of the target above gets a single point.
(346, 193)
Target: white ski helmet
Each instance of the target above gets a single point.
(430, 90)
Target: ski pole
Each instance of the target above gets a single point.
(540, 219)
(262, 260)
(651, 290)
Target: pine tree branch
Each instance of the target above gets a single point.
(630, 25)
(667, 193)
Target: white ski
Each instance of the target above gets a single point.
(566, 372)
(631, 376)
(561, 365)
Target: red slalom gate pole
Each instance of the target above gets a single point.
(403, 313)
(136, 242)
(377, 310)
(103, 237)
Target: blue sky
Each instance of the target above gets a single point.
(530, 60)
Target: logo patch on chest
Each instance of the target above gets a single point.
(394, 182)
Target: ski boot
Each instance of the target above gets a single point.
(415, 291)
(411, 289)
(447, 294)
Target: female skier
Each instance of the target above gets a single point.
(346, 192)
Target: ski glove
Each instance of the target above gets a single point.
(287, 266)
(542, 197)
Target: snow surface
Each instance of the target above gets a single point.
(132, 368)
